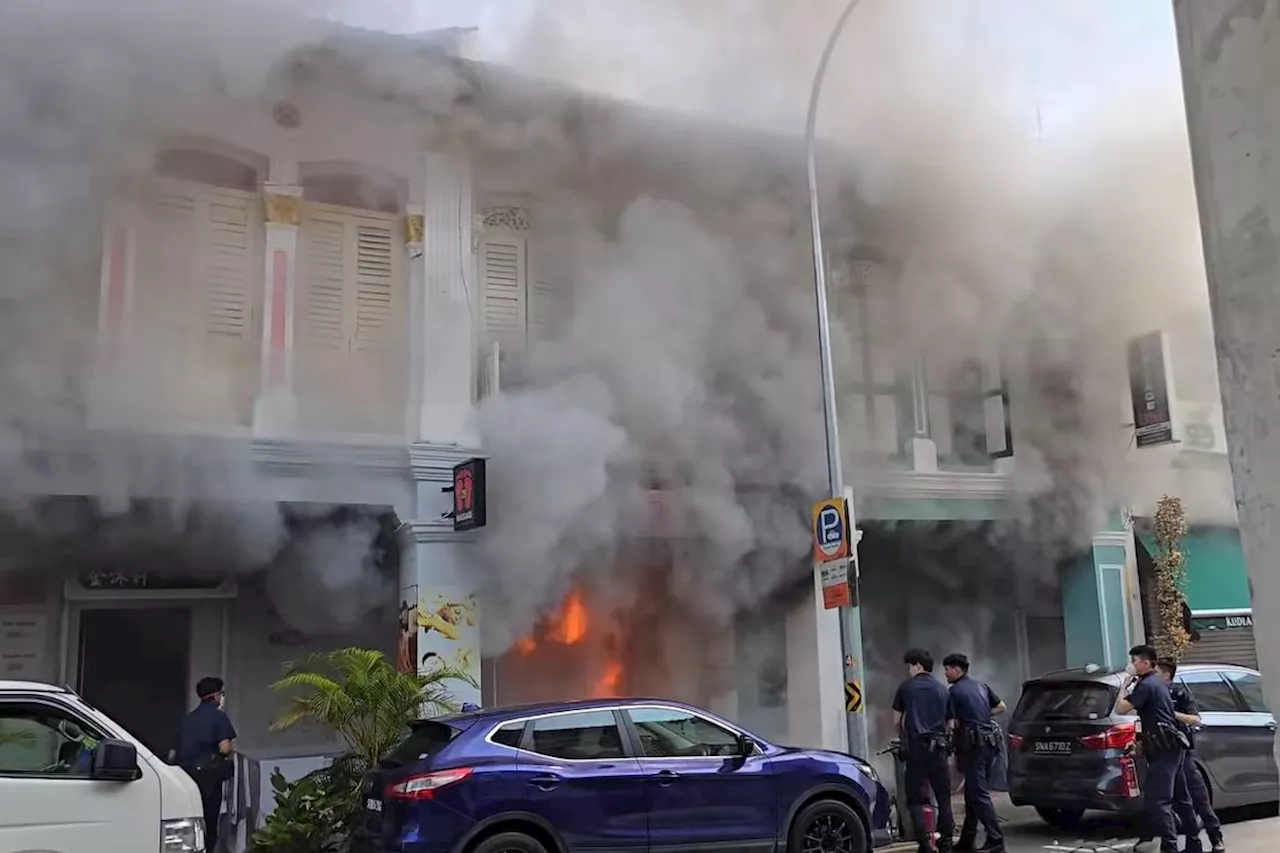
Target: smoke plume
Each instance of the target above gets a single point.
(687, 362)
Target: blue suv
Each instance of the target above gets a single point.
(614, 775)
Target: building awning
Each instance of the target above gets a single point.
(1216, 575)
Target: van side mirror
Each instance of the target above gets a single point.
(115, 761)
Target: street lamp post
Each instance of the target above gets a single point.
(850, 619)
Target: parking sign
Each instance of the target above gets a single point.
(830, 531)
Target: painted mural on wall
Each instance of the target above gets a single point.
(449, 635)
(407, 645)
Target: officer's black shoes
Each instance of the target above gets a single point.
(965, 845)
(1217, 845)
(991, 847)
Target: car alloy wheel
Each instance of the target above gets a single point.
(830, 833)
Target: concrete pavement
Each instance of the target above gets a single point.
(1251, 831)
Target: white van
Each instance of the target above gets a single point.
(73, 781)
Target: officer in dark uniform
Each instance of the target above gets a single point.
(971, 706)
(1165, 746)
(1187, 713)
(920, 716)
(204, 751)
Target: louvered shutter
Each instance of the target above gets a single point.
(1224, 645)
(548, 295)
(995, 410)
(227, 293)
(196, 292)
(350, 344)
(503, 303)
(378, 344)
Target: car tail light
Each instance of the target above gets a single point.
(1116, 737)
(1129, 776)
(1015, 741)
(424, 787)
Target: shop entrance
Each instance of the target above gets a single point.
(134, 665)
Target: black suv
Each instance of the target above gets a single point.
(1067, 744)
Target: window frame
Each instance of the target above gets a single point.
(526, 737)
(636, 745)
(91, 727)
(1221, 676)
(1231, 676)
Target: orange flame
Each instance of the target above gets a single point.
(606, 687)
(526, 646)
(569, 626)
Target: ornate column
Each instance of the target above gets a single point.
(275, 408)
(446, 320)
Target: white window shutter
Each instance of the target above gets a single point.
(995, 409)
(350, 356)
(504, 302)
(228, 264)
(548, 289)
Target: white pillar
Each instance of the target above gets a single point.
(1231, 83)
(115, 310)
(275, 409)
(413, 246)
(450, 289)
(443, 621)
(815, 667)
(924, 450)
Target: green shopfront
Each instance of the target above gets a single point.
(1217, 593)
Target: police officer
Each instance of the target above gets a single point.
(920, 716)
(971, 706)
(1165, 746)
(204, 751)
(1187, 713)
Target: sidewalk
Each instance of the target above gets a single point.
(1255, 836)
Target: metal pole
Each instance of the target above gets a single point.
(850, 619)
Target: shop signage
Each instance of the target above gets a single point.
(1219, 623)
(97, 579)
(469, 495)
(1151, 389)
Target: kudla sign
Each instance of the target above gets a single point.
(468, 495)
(1151, 389)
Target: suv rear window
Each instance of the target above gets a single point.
(1082, 700)
(426, 738)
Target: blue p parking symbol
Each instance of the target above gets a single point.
(829, 531)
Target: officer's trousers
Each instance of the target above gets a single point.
(1200, 803)
(976, 765)
(927, 772)
(210, 786)
(1164, 792)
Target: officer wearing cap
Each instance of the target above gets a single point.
(972, 704)
(1165, 746)
(204, 751)
(920, 716)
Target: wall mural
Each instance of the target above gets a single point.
(407, 646)
(449, 635)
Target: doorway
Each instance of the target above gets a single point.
(134, 666)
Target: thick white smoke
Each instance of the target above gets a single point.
(688, 361)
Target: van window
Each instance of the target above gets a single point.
(1250, 687)
(426, 738)
(40, 740)
(1211, 693)
(1080, 700)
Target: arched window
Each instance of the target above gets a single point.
(348, 186)
(200, 165)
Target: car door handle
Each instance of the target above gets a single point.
(1272, 725)
(666, 777)
(545, 783)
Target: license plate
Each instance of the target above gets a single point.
(1053, 746)
(373, 805)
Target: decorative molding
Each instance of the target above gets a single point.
(937, 486)
(282, 209)
(509, 217)
(1112, 538)
(414, 228)
(424, 532)
(431, 462)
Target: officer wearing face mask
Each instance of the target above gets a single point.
(204, 751)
